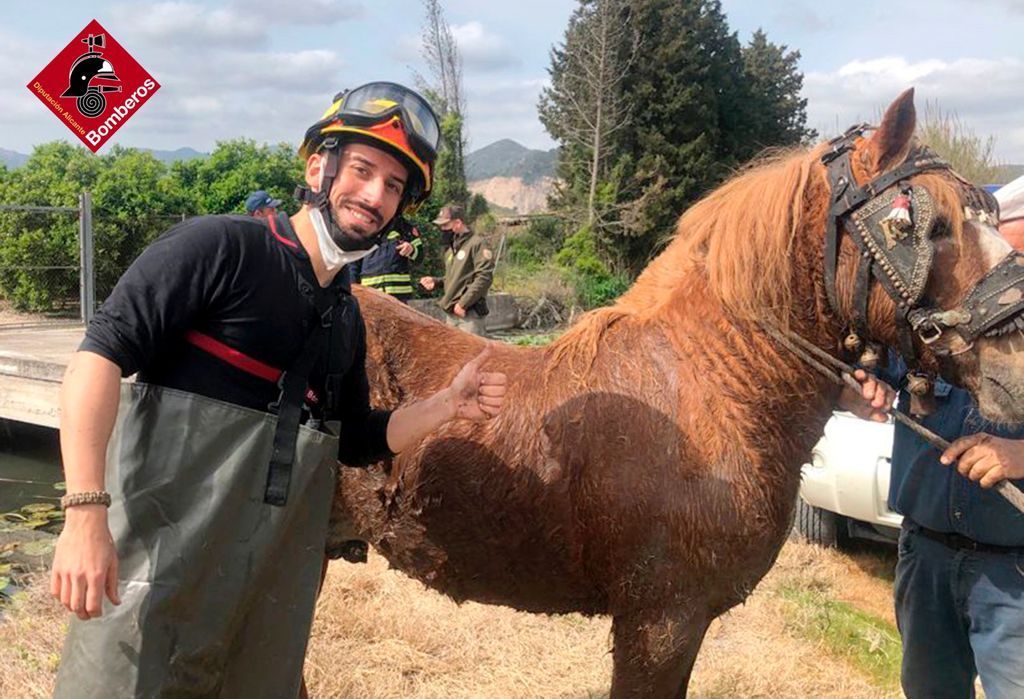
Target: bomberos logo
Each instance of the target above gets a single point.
(94, 89)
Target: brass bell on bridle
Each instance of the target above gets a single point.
(871, 356)
(918, 384)
(922, 397)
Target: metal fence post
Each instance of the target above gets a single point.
(87, 277)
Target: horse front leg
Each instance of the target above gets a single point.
(655, 650)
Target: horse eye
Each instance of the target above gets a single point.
(940, 230)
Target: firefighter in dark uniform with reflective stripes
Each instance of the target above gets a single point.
(387, 267)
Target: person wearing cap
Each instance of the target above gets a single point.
(959, 588)
(259, 203)
(468, 272)
(198, 496)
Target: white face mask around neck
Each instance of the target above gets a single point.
(334, 257)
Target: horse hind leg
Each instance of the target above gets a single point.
(654, 652)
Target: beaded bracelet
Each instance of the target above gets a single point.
(92, 497)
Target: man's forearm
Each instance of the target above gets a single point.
(411, 423)
(89, 398)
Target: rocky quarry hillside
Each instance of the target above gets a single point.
(511, 176)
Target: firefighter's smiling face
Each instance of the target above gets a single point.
(366, 192)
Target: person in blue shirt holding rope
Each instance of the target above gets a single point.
(959, 589)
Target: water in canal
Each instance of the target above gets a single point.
(29, 465)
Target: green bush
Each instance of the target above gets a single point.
(485, 224)
(597, 291)
(538, 244)
(595, 284)
(477, 207)
(31, 247)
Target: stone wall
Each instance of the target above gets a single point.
(504, 313)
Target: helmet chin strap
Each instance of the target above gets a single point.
(333, 256)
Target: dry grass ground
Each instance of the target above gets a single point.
(380, 634)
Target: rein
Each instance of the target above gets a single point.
(841, 373)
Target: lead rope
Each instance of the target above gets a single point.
(842, 374)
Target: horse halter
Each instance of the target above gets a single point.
(891, 226)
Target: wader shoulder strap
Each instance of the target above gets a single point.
(293, 385)
(289, 410)
(293, 382)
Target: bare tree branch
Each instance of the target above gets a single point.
(585, 102)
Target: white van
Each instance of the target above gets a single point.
(844, 488)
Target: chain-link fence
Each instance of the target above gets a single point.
(57, 264)
(40, 264)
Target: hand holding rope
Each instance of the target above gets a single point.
(842, 374)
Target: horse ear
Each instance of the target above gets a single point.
(890, 142)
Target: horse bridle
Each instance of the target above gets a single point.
(897, 250)
(891, 226)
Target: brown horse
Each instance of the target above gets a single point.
(646, 465)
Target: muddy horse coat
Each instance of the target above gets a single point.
(647, 463)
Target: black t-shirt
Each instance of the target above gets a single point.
(234, 279)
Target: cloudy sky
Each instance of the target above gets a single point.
(266, 69)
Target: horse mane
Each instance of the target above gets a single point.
(736, 243)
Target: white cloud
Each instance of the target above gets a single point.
(267, 96)
(201, 106)
(802, 18)
(245, 24)
(226, 70)
(984, 93)
(22, 111)
(182, 24)
(317, 12)
(505, 109)
(482, 50)
(284, 72)
(216, 88)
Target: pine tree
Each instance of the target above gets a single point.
(774, 82)
(689, 123)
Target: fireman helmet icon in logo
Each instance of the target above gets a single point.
(89, 67)
(84, 91)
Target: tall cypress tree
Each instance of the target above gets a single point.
(689, 123)
(774, 82)
(449, 173)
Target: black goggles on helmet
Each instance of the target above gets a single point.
(377, 102)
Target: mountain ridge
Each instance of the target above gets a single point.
(507, 158)
(13, 159)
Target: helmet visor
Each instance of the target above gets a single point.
(377, 101)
